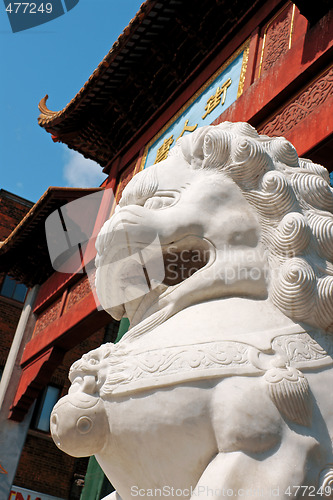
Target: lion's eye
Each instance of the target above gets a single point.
(154, 203)
(159, 201)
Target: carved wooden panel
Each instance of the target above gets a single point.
(50, 314)
(78, 292)
(299, 108)
(276, 38)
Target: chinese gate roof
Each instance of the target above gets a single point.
(24, 254)
(164, 46)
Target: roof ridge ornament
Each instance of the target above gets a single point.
(44, 109)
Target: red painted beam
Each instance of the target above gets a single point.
(77, 324)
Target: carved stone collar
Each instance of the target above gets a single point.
(132, 372)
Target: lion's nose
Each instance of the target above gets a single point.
(84, 383)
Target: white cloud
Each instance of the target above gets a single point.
(80, 172)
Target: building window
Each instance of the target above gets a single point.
(13, 290)
(44, 407)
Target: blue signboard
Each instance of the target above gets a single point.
(223, 88)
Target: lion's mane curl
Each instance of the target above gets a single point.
(294, 203)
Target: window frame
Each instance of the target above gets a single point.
(40, 408)
(9, 287)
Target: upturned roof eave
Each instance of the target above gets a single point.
(52, 193)
(49, 119)
(18, 253)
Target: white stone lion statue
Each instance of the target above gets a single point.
(221, 256)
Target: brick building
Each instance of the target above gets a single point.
(173, 68)
(12, 210)
(42, 470)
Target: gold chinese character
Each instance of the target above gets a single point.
(187, 128)
(217, 98)
(163, 151)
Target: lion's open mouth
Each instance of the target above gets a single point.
(166, 265)
(152, 272)
(183, 258)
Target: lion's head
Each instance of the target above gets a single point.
(228, 213)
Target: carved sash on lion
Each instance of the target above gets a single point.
(221, 256)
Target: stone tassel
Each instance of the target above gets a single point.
(289, 390)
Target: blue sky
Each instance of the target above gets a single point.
(55, 58)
